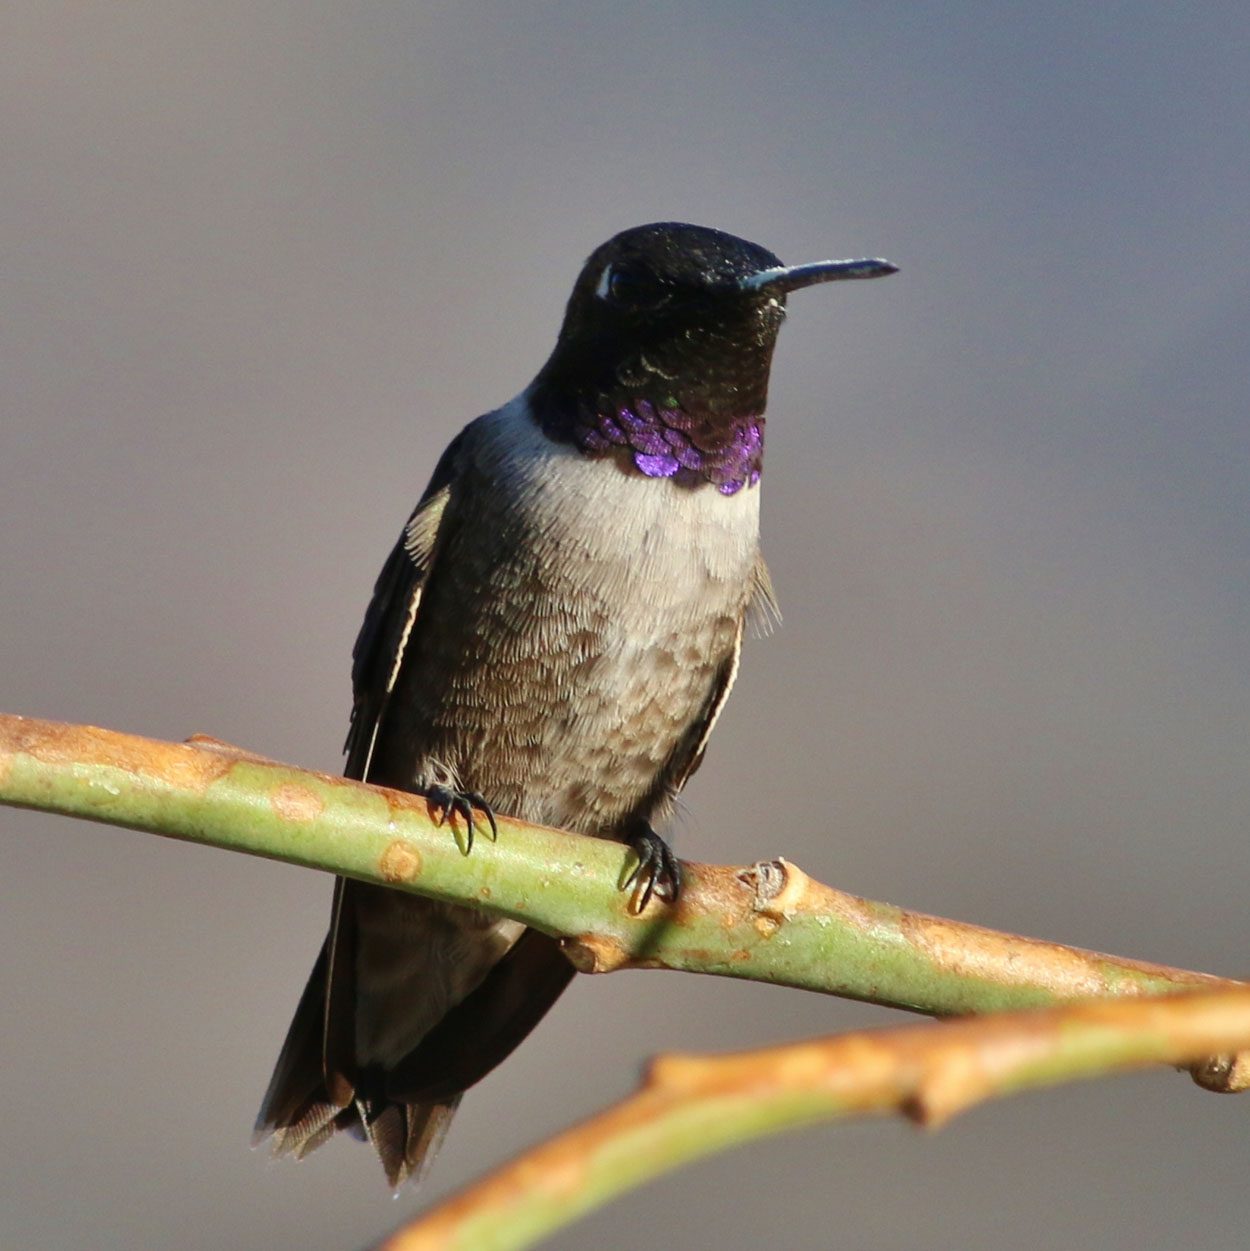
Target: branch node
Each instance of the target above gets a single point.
(777, 888)
(594, 953)
(1226, 1075)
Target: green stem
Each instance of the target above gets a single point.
(767, 922)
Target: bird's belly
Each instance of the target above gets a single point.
(584, 647)
(584, 732)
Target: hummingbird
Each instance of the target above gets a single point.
(553, 637)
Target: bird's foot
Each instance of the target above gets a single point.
(658, 871)
(448, 800)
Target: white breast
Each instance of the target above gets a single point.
(681, 543)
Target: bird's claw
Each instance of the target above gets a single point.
(658, 871)
(448, 800)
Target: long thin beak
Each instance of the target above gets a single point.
(791, 277)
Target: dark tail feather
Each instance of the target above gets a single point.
(297, 1109)
(405, 1112)
(300, 1114)
(407, 1136)
(487, 1025)
(298, 1082)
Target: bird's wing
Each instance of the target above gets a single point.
(762, 613)
(383, 638)
(405, 1118)
(376, 660)
(310, 1094)
(687, 756)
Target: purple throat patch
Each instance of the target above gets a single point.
(670, 443)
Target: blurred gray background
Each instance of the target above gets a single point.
(262, 261)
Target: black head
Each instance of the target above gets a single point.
(671, 327)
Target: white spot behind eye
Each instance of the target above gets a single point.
(605, 281)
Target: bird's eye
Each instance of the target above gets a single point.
(629, 287)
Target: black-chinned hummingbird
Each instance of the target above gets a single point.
(553, 637)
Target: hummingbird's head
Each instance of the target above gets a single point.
(672, 327)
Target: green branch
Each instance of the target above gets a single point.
(768, 922)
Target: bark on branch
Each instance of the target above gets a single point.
(767, 922)
(692, 1106)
